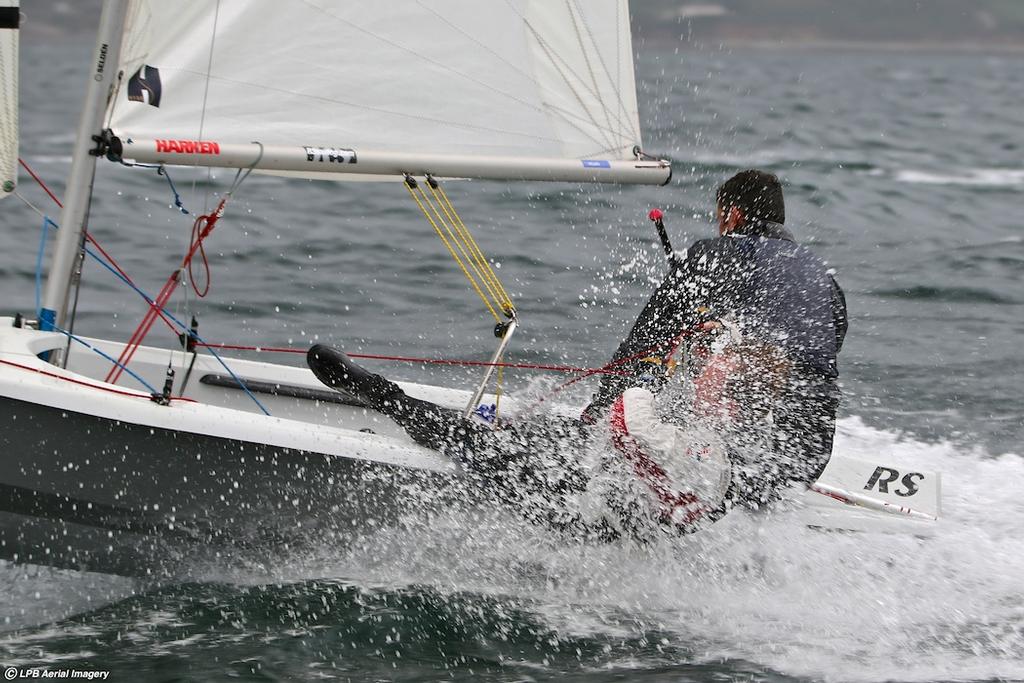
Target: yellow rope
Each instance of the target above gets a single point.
(467, 252)
(472, 252)
(503, 298)
(452, 251)
(464, 249)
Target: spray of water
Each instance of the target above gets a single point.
(756, 587)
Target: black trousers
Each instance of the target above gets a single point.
(798, 445)
(533, 466)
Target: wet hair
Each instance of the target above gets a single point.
(756, 193)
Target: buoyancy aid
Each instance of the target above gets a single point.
(687, 471)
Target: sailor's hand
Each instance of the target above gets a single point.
(710, 326)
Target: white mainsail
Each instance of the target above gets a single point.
(9, 20)
(404, 85)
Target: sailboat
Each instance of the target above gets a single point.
(114, 461)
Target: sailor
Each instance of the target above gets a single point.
(762, 318)
(657, 478)
(787, 315)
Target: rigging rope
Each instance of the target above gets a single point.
(156, 309)
(158, 304)
(188, 331)
(40, 182)
(75, 338)
(494, 285)
(161, 170)
(449, 226)
(659, 349)
(108, 262)
(441, 215)
(497, 389)
(196, 242)
(417, 359)
(79, 382)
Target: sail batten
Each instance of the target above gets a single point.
(531, 79)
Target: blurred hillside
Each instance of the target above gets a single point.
(958, 24)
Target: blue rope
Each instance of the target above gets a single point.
(184, 329)
(39, 280)
(162, 170)
(39, 262)
(108, 357)
(122, 278)
(151, 302)
(232, 373)
(177, 197)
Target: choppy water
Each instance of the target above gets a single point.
(904, 171)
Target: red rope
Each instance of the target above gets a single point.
(92, 240)
(143, 329)
(268, 349)
(240, 347)
(110, 259)
(111, 390)
(605, 369)
(480, 363)
(156, 308)
(198, 235)
(414, 359)
(585, 372)
(40, 181)
(652, 474)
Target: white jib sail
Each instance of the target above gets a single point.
(9, 19)
(524, 80)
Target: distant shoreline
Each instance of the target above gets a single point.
(847, 45)
(42, 32)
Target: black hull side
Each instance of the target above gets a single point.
(82, 492)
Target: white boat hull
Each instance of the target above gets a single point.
(100, 477)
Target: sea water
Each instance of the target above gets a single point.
(902, 170)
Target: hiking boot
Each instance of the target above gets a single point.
(336, 370)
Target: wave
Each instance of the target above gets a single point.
(756, 594)
(974, 177)
(771, 158)
(759, 589)
(755, 587)
(971, 295)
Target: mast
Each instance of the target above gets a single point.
(68, 250)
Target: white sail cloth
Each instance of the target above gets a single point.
(508, 78)
(9, 16)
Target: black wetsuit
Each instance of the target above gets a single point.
(532, 465)
(779, 293)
